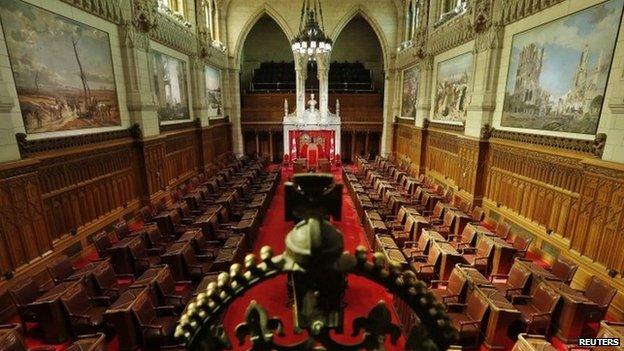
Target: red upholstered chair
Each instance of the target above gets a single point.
(22, 294)
(479, 256)
(286, 160)
(85, 313)
(477, 214)
(60, 269)
(517, 281)
(106, 283)
(468, 318)
(521, 244)
(564, 270)
(602, 294)
(454, 291)
(503, 229)
(102, 243)
(536, 311)
(157, 324)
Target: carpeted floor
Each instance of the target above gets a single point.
(272, 295)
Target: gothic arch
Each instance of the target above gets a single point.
(265, 9)
(363, 11)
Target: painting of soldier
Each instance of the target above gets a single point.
(410, 92)
(451, 90)
(63, 70)
(170, 89)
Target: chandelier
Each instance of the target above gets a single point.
(311, 38)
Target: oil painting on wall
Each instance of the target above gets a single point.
(451, 90)
(410, 92)
(63, 70)
(170, 89)
(213, 91)
(558, 71)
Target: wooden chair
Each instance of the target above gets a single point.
(564, 270)
(537, 310)
(516, 281)
(468, 318)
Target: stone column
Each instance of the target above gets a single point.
(388, 121)
(425, 84)
(198, 90)
(301, 73)
(322, 61)
(235, 110)
(487, 57)
(140, 98)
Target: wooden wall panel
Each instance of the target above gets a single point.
(80, 186)
(442, 154)
(23, 230)
(408, 145)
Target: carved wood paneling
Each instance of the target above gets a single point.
(407, 145)
(540, 186)
(600, 222)
(180, 156)
(81, 186)
(442, 154)
(24, 234)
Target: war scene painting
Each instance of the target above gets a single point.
(213, 91)
(170, 89)
(451, 90)
(558, 71)
(410, 92)
(63, 70)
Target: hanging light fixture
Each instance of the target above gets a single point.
(311, 38)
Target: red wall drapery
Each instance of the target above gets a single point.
(304, 142)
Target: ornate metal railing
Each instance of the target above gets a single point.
(317, 268)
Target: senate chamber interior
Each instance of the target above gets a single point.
(340, 175)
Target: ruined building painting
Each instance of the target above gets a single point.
(558, 72)
(170, 89)
(212, 77)
(63, 70)
(409, 92)
(451, 89)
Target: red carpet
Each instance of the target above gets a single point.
(360, 297)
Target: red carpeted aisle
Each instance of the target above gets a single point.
(272, 295)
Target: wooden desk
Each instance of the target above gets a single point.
(120, 315)
(473, 276)
(149, 277)
(384, 241)
(372, 228)
(420, 223)
(86, 274)
(203, 222)
(51, 315)
(460, 220)
(121, 258)
(431, 235)
(174, 257)
(571, 316)
(503, 255)
(429, 200)
(611, 330)
(527, 342)
(166, 221)
(538, 273)
(502, 315)
(395, 256)
(449, 258)
(478, 231)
